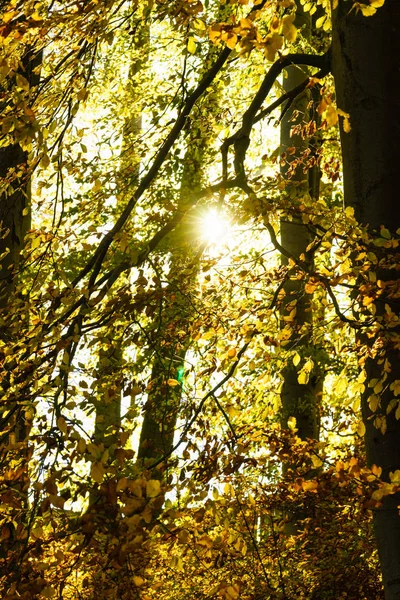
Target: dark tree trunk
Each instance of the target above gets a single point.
(366, 67)
(15, 213)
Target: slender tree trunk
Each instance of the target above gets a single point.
(111, 360)
(162, 408)
(163, 404)
(299, 400)
(366, 67)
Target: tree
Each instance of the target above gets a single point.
(299, 399)
(361, 50)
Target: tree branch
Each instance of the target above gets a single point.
(241, 138)
(291, 95)
(95, 262)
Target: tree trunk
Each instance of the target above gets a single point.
(15, 192)
(15, 212)
(299, 400)
(366, 67)
(162, 408)
(111, 360)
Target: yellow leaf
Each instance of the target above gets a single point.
(230, 39)
(37, 531)
(367, 11)
(395, 387)
(373, 402)
(381, 424)
(232, 352)
(176, 563)
(292, 423)
(296, 359)
(97, 472)
(377, 3)
(376, 470)
(289, 30)
(45, 161)
(8, 16)
(346, 120)
(153, 488)
(316, 461)
(361, 429)
(309, 365)
(397, 413)
(173, 382)
(310, 486)
(138, 581)
(331, 116)
(273, 43)
(341, 385)
(81, 446)
(246, 23)
(346, 126)
(395, 477)
(48, 592)
(191, 45)
(122, 484)
(303, 377)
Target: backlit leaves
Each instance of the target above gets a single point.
(153, 488)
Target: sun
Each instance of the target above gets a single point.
(214, 227)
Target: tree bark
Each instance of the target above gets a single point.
(298, 400)
(15, 218)
(366, 68)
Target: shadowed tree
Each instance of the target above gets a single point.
(366, 68)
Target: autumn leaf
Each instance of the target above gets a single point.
(191, 46)
(373, 402)
(395, 477)
(361, 429)
(97, 472)
(153, 488)
(331, 116)
(303, 377)
(310, 486)
(296, 359)
(289, 30)
(273, 42)
(62, 425)
(346, 120)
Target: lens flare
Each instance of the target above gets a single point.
(214, 227)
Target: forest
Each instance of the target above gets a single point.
(199, 299)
